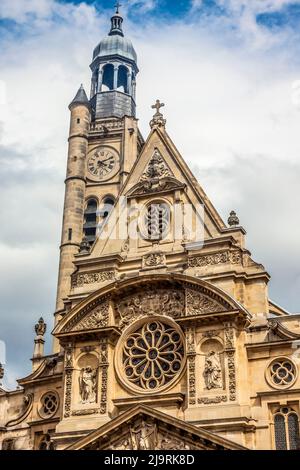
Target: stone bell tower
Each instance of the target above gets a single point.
(114, 69)
(104, 142)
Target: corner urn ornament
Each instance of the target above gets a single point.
(40, 327)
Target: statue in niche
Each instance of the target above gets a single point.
(212, 370)
(87, 385)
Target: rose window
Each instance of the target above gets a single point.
(282, 372)
(153, 355)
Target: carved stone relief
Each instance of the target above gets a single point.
(234, 257)
(158, 302)
(104, 374)
(231, 373)
(212, 400)
(154, 259)
(147, 436)
(68, 379)
(198, 303)
(157, 168)
(89, 411)
(191, 361)
(230, 353)
(97, 318)
(79, 280)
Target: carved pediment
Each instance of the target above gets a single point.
(123, 302)
(155, 185)
(143, 428)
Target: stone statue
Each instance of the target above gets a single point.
(87, 385)
(40, 327)
(144, 437)
(212, 371)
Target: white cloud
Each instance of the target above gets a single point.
(231, 111)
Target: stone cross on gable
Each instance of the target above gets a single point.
(158, 119)
(157, 106)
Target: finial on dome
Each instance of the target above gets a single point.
(116, 22)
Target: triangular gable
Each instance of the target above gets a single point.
(160, 146)
(143, 428)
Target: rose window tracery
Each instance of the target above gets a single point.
(49, 405)
(282, 373)
(153, 355)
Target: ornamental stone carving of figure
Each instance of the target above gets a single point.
(212, 371)
(87, 385)
(144, 437)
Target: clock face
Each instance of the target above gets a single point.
(103, 163)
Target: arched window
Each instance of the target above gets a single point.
(123, 79)
(157, 221)
(108, 204)
(286, 429)
(108, 78)
(90, 221)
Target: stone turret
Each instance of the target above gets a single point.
(74, 193)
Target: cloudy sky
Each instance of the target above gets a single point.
(229, 74)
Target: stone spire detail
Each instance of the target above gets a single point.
(80, 98)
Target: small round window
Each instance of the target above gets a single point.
(48, 405)
(281, 373)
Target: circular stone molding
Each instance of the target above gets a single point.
(48, 405)
(150, 355)
(281, 373)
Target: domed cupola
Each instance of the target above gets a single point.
(114, 69)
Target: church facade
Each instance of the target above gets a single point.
(164, 333)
